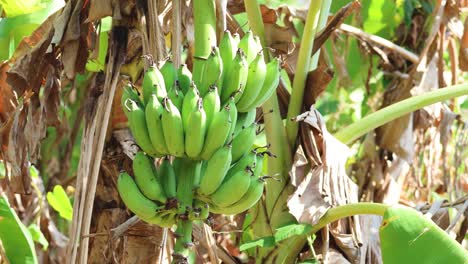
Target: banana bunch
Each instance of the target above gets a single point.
(232, 187)
(207, 117)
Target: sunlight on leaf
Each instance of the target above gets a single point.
(58, 199)
(16, 240)
(38, 236)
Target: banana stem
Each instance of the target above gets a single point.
(346, 210)
(348, 134)
(186, 175)
(331, 216)
(302, 69)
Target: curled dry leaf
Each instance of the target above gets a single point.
(327, 185)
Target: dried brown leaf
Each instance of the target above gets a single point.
(327, 185)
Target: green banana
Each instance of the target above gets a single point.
(133, 198)
(189, 104)
(173, 128)
(185, 78)
(198, 70)
(236, 78)
(169, 72)
(176, 95)
(195, 131)
(161, 219)
(227, 50)
(244, 120)
(153, 83)
(153, 112)
(248, 160)
(216, 169)
(247, 201)
(204, 27)
(232, 189)
(217, 134)
(258, 171)
(211, 104)
(146, 179)
(168, 178)
(255, 80)
(212, 71)
(243, 142)
(233, 116)
(137, 123)
(272, 79)
(249, 46)
(129, 93)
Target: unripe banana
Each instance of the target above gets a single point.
(153, 83)
(168, 178)
(169, 72)
(258, 170)
(247, 201)
(137, 123)
(129, 93)
(244, 120)
(216, 169)
(232, 116)
(272, 78)
(248, 160)
(227, 49)
(211, 104)
(258, 43)
(133, 198)
(185, 78)
(232, 189)
(255, 80)
(173, 128)
(243, 142)
(217, 134)
(198, 70)
(176, 95)
(236, 78)
(212, 72)
(153, 112)
(249, 46)
(146, 179)
(189, 104)
(195, 131)
(161, 219)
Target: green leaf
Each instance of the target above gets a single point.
(2, 169)
(282, 233)
(58, 199)
(33, 171)
(14, 28)
(38, 236)
(288, 231)
(15, 237)
(268, 241)
(381, 17)
(14, 8)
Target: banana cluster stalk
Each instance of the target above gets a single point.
(201, 124)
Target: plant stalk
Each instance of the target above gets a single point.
(186, 176)
(274, 128)
(302, 70)
(352, 132)
(329, 217)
